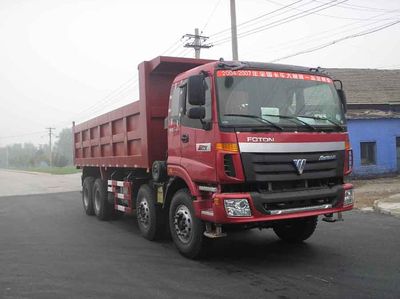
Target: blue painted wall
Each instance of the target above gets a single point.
(381, 131)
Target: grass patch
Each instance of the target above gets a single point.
(54, 170)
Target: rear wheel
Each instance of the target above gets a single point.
(87, 195)
(296, 230)
(102, 207)
(150, 216)
(186, 230)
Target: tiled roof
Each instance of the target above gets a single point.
(369, 85)
(370, 114)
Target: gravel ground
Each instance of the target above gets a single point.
(367, 191)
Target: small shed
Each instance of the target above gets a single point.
(373, 119)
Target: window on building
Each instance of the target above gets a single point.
(368, 153)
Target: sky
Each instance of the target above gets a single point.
(71, 60)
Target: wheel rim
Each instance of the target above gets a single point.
(143, 213)
(97, 199)
(183, 224)
(86, 197)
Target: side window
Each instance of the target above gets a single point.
(174, 100)
(196, 123)
(173, 111)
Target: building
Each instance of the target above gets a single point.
(373, 119)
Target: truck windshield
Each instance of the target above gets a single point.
(286, 101)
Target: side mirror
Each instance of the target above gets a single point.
(196, 113)
(343, 99)
(342, 96)
(196, 90)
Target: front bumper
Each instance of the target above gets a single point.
(214, 210)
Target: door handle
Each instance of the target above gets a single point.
(185, 138)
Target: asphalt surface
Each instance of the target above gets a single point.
(50, 249)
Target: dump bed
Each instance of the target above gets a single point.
(133, 136)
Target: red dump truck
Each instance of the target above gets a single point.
(215, 145)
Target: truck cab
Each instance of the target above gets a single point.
(259, 142)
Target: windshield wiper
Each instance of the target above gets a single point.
(324, 118)
(260, 119)
(292, 118)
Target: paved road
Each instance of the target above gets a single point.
(15, 182)
(50, 249)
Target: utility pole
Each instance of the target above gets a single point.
(235, 55)
(51, 154)
(197, 43)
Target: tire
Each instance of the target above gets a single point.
(186, 230)
(150, 217)
(102, 207)
(296, 230)
(87, 196)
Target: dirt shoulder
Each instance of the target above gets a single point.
(23, 182)
(369, 190)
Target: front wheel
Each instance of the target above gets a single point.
(186, 230)
(296, 230)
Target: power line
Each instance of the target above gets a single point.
(176, 48)
(284, 20)
(296, 43)
(117, 95)
(103, 102)
(110, 95)
(331, 16)
(256, 18)
(183, 52)
(210, 16)
(376, 29)
(172, 46)
(359, 7)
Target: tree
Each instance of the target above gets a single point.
(63, 148)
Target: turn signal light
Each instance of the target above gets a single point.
(348, 159)
(228, 147)
(347, 145)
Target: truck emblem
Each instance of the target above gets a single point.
(300, 164)
(203, 147)
(260, 139)
(327, 157)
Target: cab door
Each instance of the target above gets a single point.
(197, 153)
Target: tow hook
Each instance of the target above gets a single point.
(214, 232)
(330, 217)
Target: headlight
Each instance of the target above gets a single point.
(348, 197)
(237, 207)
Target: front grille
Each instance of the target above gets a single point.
(298, 203)
(273, 167)
(282, 186)
(267, 202)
